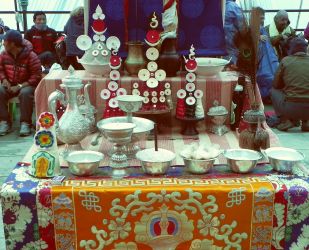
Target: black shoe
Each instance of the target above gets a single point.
(287, 124)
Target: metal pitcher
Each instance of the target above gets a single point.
(73, 126)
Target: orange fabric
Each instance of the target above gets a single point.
(164, 214)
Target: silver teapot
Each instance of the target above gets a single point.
(73, 126)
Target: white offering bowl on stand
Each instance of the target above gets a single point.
(207, 66)
(140, 132)
(119, 134)
(130, 104)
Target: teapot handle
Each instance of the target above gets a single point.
(86, 95)
(52, 99)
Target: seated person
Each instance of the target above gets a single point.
(43, 40)
(20, 73)
(290, 93)
(3, 29)
(268, 62)
(280, 32)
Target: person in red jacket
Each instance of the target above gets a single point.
(43, 39)
(20, 73)
(306, 32)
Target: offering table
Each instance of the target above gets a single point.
(218, 88)
(257, 211)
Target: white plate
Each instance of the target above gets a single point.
(181, 93)
(113, 103)
(121, 91)
(105, 94)
(168, 92)
(113, 42)
(152, 54)
(160, 75)
(198, 93)
(152, 66)
(190, 77)
(135, 85)
(190, 87)
(143, 75)
(83, 42)
(152, 83)
(190, 100)
(113, 86)
(114, 75)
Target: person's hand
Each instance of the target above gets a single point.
(5, 83)
(263, 38)
(15, 89)
(285, 37)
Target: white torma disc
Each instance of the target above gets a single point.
(135, 85)
(135, 92)
(146, 100)
(152, 66)
(190, 77)
(154, 93)
(143, 75)
(190, 100)
(160, 75)
(83, 42)
(162, 99)
(167, 85)
(190, 87)
(105, 94)
(181, 93)
(104, 52)
(162, 93)
(167, 92)
(146, 94)
(114, 75)
(121, 91)
(198, 93)
(113, 42)
(99, 47)
(113, 103)
(152, 54)
(95, 52)
(152, 83)
(154, 99)
(113, 86)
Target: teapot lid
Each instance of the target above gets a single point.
(71, 80)
(254, 116)
(217, 110)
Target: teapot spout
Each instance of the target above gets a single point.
(52, 100)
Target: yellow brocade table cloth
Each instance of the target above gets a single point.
(164, 213)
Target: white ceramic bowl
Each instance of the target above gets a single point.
(96, 69)
(242, 160)
(155, 162)
(208, 66)
(283, 159)
(84, 163)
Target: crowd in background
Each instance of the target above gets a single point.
(281, 75)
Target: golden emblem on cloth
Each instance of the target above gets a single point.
(164, 229)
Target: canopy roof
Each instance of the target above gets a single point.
(298, 19)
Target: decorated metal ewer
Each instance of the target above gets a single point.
(73, 126)
(254, 137)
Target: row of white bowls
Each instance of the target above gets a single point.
(242, 161)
